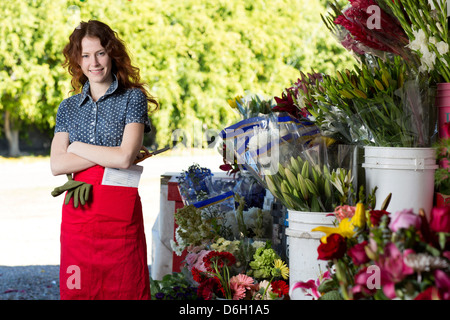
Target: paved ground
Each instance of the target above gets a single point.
(30, 218)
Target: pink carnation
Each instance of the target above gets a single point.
(342, 212)
(195, 260)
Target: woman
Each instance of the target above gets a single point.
(103, 247)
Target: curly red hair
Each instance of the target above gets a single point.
(127, 75)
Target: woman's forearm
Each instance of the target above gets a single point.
(121, 157)
(62, 162)
(110, 157)
(65, 163)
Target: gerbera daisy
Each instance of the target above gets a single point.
(280, 287)
(280, 269)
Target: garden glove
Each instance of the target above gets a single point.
(78, 189)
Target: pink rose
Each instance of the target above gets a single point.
(440, 219)
(358, 253)
(404, 219)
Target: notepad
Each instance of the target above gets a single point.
(123, 177)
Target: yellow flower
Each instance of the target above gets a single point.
(345, 229)
(359, 219)
(280, 269)
(347, 226)
(233, 102)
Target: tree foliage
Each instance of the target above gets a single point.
(194, 54)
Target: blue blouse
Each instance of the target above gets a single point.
(102, 123)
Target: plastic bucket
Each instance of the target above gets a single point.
(407, 173)
(443, 86)
(442, 102)
(443, 118)
(303, 263)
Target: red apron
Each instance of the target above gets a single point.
(103, 247)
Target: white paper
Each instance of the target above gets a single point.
(123, 177)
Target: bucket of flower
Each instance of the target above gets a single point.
(387, 103)
(375, 254)
(227, 256)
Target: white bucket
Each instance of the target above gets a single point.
(407, 173)
(303, 263)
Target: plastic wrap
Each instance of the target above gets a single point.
(290, 158)
(195, 184)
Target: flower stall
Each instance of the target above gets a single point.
(357, 159)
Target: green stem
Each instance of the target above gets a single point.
(265, 290)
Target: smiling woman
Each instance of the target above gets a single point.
(103, 246)
(96, 66)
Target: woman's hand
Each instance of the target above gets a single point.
(142, 155)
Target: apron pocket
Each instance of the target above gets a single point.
(113, 209)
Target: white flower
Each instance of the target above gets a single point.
(420, 39)
(442, 48)
(179, 245)
(429, 59)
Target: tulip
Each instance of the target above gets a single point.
(359, 219)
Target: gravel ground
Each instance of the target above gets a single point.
(29, 283)
(30, 219)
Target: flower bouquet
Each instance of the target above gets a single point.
(374, 254)
(195, 184)
(425, 24)
(367, 28)
(389, 99)
(291, 158)
(252, 105)
(378, 104)
(219, 275)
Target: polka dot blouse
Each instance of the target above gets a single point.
(102, 123)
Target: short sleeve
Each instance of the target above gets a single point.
(137, 110)
(61, 118)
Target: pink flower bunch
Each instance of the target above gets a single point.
(404, 255)
(194, 259)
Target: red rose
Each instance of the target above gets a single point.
(376, 215)
(440, 219)
(358, 253)
(334, 248)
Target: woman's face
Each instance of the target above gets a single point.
(95, 62)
